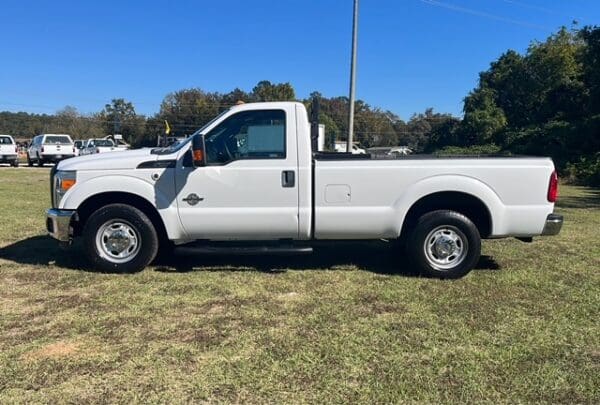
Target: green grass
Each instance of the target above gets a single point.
(349, 324)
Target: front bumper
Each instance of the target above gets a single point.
(553, 225)
(58, 224)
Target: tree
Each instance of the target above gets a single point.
(119, 116)
(267, 91)
(483, 118)
(70, 121)
(189, 109)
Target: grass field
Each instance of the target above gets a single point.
(349, 324)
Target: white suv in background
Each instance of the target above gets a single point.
(50, 148)
(98, 145)
(8, 150)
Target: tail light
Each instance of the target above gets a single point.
(98, 150)
(16, 149)
(553, 187)
(42, 148)
(73, 149)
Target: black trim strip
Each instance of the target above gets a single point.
(158, 164)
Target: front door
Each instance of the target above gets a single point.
(248, 189)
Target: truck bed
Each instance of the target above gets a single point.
(359, 197)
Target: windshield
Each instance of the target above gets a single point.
(179, 145)
(6, 140)
(57, 139)
(103, 142)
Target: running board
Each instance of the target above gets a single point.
(204, 249)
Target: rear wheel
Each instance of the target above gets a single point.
(120, 238)
(444, 244)
(29, 161)
(15, 163)
(40, 161)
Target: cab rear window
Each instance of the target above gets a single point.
(57, 140)
(6, 140)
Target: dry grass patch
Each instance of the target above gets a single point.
(53, 351)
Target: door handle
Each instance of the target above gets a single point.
(288, 178)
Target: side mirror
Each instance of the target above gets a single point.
(198, 151)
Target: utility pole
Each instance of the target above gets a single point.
(352, 78)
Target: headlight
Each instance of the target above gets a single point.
(63, 181)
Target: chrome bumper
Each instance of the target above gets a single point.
(58, 224)
(553, 225)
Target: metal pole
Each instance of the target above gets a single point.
(352, 78)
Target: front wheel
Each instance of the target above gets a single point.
(444, 244)
(120, 238)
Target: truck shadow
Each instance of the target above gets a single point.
(376, 257)
(42, 251)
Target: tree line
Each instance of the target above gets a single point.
(544, 102)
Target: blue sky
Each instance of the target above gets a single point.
(412, 54)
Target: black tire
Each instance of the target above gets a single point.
(440, 236)
(140, 225)
(29, 162)
(15, 163)
(40, 161)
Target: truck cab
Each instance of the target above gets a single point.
(251, 177)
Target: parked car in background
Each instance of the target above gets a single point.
(78, 145)
(391, 151)
(119, 141)
(9, 150)
(99, 145)
(341, 147)
(50, 148)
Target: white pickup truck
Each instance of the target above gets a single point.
(249, 182)
(9, 151)
(50, 148)
(100, 145)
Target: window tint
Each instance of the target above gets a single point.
(57, 139)
(247, 135)
(5, 140)
(103, 142)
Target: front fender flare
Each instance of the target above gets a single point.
(165, 206)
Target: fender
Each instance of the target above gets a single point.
(453, 182)
(156, 196)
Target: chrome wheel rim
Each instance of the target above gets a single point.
(445, 247)
(118, 241)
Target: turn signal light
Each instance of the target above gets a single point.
(66, 184)
(198, 155)
(553, 187)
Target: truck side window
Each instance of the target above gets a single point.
(247, 135)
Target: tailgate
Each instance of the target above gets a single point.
(57, 149)
(8, 150)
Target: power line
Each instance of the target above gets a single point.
(484, 14)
